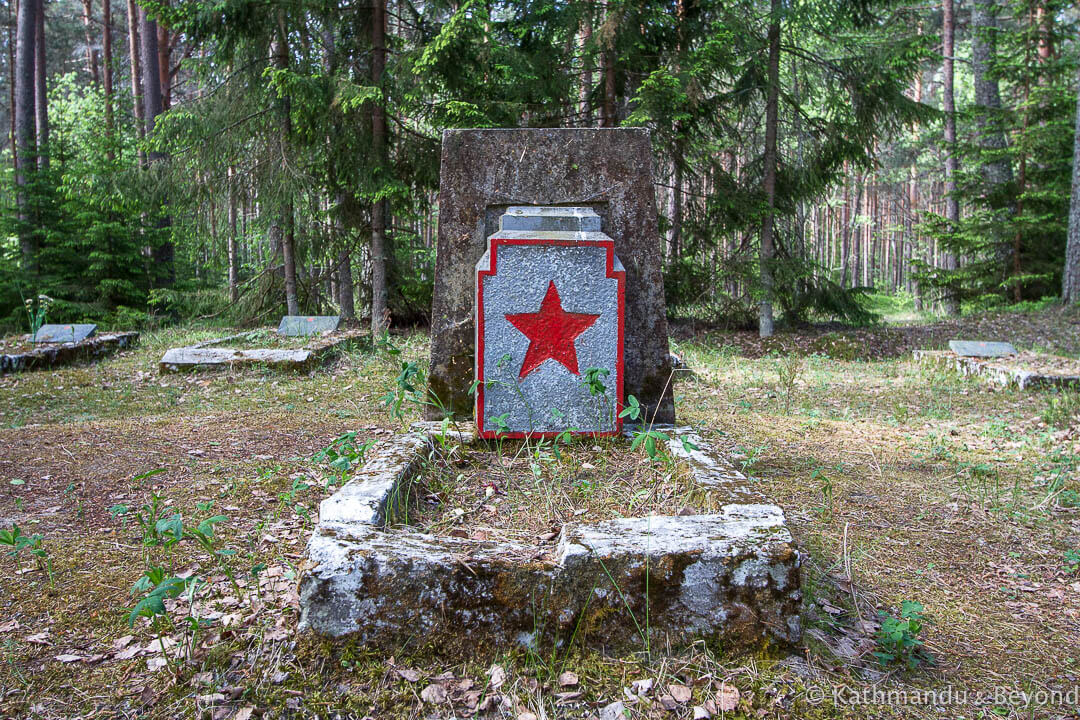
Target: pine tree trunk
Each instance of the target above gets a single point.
(11, 80)
(772, 108)
(279, 51)
(25, 129)
(1070, 283)
(107, 71)
(234, 270)
(288, 255)
(136, 74)
(91, 51)
(379, 250)
(164, 51)
(950, 302)
(41, 93)
(164, 252)
(585, 91)
(913, 196)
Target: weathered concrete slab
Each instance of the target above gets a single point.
(1004, 372)
(486, 171)
(189, 358)
(200, 356)
(301, 325)
(549, 311)
(63, 333)
(732, 576)
(56, 354)
(981, 349)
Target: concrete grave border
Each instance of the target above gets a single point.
(56, 354)
(202, 357)
(731, 576)
(994, 370)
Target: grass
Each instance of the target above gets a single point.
(520, 490)
(900, 483)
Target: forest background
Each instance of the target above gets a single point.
(226, 161)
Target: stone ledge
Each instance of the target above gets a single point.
(201, 357)
(57, 354)
(994, 371)
(731, 576)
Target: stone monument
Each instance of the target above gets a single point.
(485, 172)
(549, 326)
(981, 348)
(302, 325)
(64, 333)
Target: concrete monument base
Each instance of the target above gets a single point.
(731, 577)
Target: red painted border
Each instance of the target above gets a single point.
(619, 275)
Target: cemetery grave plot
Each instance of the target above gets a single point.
(262, 347)
(1026, 369)
(22, 352)
(730, 575)
(528, 491)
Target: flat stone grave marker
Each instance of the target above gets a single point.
(300, 325)
(979, 348)
(485, 172)
(63, 333)
(549, 326)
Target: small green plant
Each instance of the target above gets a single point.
(343, 454)
(288, 501)
(156, 586)
(826, 509)
(37, 308)
(751, 457)
(632, 409)
(898, 637)
(1062, 410)
(33, 544)
(405, 388)
(1072, 561)
(788, 370)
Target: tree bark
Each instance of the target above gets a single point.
(136, 75)
(585, 91)
(164, 51)
(91, 51)
(288, 255)
(25, 130)
(608, 60)
(279, 50)
(379, 251)
(164, 252)
(772, 107)
(41, 92)
(1070, 282)
(950, 302)
(107, 72)
(234, 270)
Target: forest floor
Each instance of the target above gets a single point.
(901, 483)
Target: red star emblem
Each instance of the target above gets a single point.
(551, 333)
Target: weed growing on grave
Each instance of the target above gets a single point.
(287, 500)
(36, 311)
(750, 457)
(788, 370)
(898, 640)
(33, 544)
(1062, 409)
(826, 509)
(594, 382)
(156, 586)
(342, 455)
